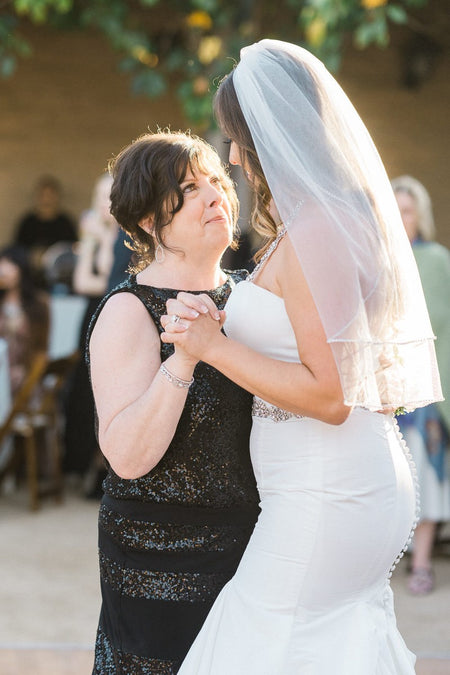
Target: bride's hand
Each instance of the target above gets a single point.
(187, 307)
(192, 324)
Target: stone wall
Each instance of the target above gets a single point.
(68, 109)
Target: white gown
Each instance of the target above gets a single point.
(311, 595)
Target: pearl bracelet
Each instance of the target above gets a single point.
(173, 379)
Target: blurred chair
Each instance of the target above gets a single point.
(66, 317)
(36, 414)
(32, 423)
(58, 265)
(5, 400)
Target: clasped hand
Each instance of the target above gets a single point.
(192, 323)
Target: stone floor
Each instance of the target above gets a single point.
(49, 593)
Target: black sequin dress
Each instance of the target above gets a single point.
(170, 540)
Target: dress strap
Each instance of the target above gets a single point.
(267, 254)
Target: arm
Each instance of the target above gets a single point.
(95, 254)
(312, 387)
(138, 408)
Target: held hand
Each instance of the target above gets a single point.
(190, 306)
(193, 336)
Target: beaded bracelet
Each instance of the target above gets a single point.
(173, 379)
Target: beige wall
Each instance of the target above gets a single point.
(68, 109)
(410, 128)
(66, 112)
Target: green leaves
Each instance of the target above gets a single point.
(374, 29)
(396, 13)
(189, 45)
(150, 83)
(12, 45)
(37, 10)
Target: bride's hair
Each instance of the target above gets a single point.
(232, 122)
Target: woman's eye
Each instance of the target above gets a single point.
(215, 180)
(189, 187)
(227, 141)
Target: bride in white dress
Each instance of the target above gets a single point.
(329, 332)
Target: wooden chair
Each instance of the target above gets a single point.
(36, 414)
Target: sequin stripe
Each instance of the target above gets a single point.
(262, 409)
(110, 661)
(152, 536)
(413, 469)
(156, 585)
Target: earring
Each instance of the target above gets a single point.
(159, 254)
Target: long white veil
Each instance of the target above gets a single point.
(333, 195)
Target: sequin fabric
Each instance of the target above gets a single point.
(207, 463)
(170, 540)
(160, 585)
(141, 535)
(114, 661)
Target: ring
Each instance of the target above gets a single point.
(174, 318)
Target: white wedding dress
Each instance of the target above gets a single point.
(311, 595)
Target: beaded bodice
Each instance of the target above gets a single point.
(207, 463)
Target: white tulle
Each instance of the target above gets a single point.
(334, 197)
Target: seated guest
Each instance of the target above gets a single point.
(46, 224)
(24, 313)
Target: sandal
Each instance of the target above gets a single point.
(421, 581)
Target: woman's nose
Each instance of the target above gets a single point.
(215, 195)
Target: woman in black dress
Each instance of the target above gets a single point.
(180, 499)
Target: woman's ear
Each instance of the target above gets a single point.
(146, 224)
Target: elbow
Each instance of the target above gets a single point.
(337, 413)
(127, 471)
(124, 462)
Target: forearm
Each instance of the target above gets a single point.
(290, 386)
(85, 281)
(137, 437)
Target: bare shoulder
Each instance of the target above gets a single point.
(123, 317)
(290, 273)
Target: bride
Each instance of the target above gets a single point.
(330, 330)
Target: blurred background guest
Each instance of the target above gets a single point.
(24, 326)
(24, 313)
(122, 257)
(98, 233)
(45, 225)
(426, 430)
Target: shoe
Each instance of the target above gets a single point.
(421, 581)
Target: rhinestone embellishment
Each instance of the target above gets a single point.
(262, 409)
(267, 254)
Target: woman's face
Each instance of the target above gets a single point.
(9, 274)
(408, 210)
(204, 222)
(235, 159)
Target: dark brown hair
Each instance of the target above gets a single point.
(146, 182)
(232, 122)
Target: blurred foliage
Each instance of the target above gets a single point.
(191, 44)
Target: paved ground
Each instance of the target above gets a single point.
(49, 593)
